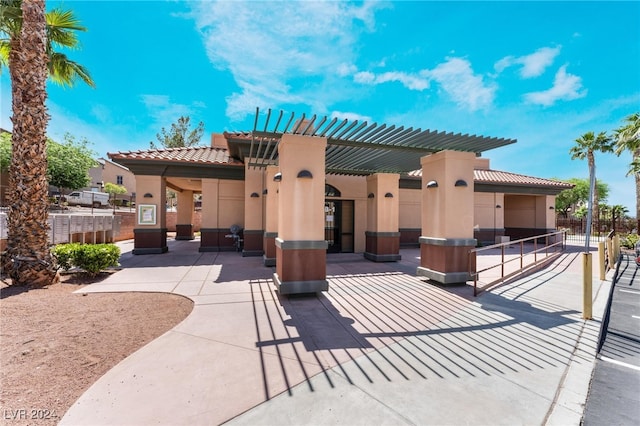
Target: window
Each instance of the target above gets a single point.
(119, 179)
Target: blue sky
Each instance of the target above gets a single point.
(543, 73)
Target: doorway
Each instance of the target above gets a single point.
(338, 225)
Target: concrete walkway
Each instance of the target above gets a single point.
(381, 347)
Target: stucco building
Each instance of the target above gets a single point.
(300, 188)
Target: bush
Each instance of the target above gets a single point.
(629, 241)
(92, 258)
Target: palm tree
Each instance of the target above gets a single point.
(585, 147)
(61, 30)
(29, 53)
(28, 242)
(627, 138)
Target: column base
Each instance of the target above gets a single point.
(382, 246)
(301, 266)
(445, 260)
(150, 241)
(300, 287)
(252, 245)
(184, 232)
(269, 247)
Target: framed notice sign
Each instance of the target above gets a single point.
(146, 214)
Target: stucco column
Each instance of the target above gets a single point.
(150, 231)
(253, 232)
(270, 216)
(209, 232)
(301, 250)
(447, 216)
(184, 216)
(382, 234)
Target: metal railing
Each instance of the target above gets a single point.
(535, 253)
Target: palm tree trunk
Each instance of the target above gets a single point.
(595, 218)
(28, 242)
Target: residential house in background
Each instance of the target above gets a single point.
(107, 171)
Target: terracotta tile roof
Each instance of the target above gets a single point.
(198, 154)
(500, 177)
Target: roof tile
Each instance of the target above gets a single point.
(198, 154)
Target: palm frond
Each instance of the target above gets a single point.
(62, 27)
(5, 48)
(65, 72)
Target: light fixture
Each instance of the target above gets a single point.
(148, 195)
(264, 191)
(254, 195)
(498, 206)
(461, 182)
(277, 177)
(305, 174)
(388, 195)
(371, 195)
(432, 184)
(551, 208)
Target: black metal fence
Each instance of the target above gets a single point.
(577, 228)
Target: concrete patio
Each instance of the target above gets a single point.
(381, 347)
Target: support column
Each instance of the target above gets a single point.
(209, 232)
(301, 250)
(383, 202)
(184, 219)
(447, 216)
(150, 231)
(253, 231)
(271, 216)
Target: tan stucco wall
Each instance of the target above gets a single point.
(410, 209)
(382, 214)
(301, 200)
(110, 173)
(185, 207)
(520, 211)
(448, 210)
(486, 214)
(156, 187)
(210, 203)
(231, 204)
(253, 184)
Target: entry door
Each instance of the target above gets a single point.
(338, 226)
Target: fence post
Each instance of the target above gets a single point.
(616, 247)
(610, 254)
(587, 297)
(601, 260)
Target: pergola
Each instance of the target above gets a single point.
(353, 147)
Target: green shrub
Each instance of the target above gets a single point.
(91, 258)
(629, 241)
(65, 255)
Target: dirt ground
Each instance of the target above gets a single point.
(54, 344)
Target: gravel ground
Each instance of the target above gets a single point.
(54, 344)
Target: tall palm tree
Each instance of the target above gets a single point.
(585, 147)
(28, 245)
(61, 30)
(627, 138)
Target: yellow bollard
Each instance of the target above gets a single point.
(587, 296)
(603, 271)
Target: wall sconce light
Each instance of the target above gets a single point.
(432, 184)
(388, 195)
(461, 182)
(551, 208)
(277, 177)
(148, 195)
(305, 174)
(371, 195)
(498, 206)
(254, 195)
(264, 191)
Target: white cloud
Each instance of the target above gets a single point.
(266, 46)
(455, 77)
(533, 65)
(566, 87)
(463, 86)
(411, 82)
(351, 116)
(165, 112)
